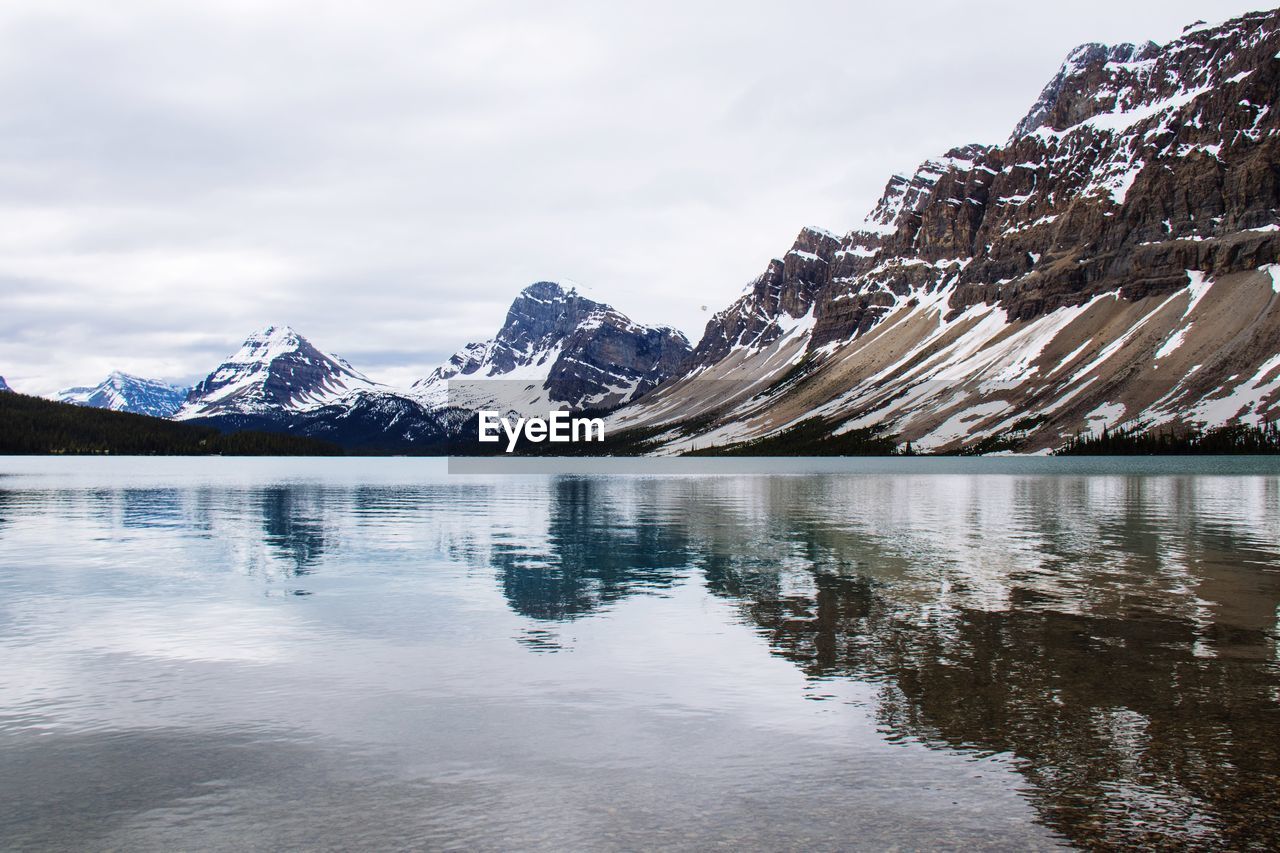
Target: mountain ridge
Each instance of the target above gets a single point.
(555, 348)
(1114, 263)
(124, 392)
(1143, 176)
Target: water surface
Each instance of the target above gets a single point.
(789, 654)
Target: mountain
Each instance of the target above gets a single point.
(122, 392)
(1113, 263)
(566, 349)
(279, 382)
(555, 347)
(4, 385)
(276, 373)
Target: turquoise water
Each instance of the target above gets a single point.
(747, 654)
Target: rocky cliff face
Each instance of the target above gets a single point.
(774, 304)
(122, 392)
(568, 348)
(1111, 262)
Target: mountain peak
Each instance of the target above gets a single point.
(273, 339)
(1133, 79)
(276, 369)
(1070, 96)
(124, 392)
(4, 385)
(577, 350)
(275, 332)
(548, 291)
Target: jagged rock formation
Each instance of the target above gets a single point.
(775, 303)
(1113, 262)
(122, 392)
(567, 348)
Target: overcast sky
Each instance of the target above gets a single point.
(386, 176)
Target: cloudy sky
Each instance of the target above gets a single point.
(385, 176)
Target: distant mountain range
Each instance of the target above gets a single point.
(121, 392)
(555, 348)
(1114, 264)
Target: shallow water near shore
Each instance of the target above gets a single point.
(809, 654)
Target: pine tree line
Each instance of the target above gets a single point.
(1141, 440)
(32, 425)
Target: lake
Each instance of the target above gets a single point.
(820, 654)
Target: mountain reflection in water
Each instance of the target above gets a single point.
(1112, 639)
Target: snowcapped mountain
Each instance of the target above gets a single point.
(555, 347)
(275, 373)
(558, 347)
(122, 392)
(1113, 263)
